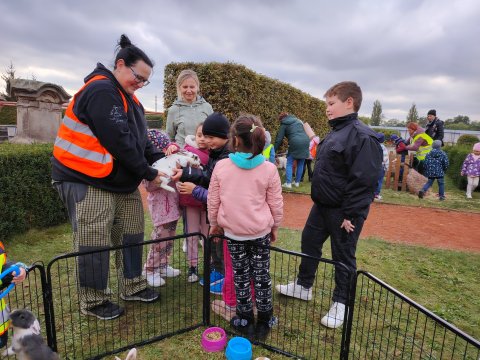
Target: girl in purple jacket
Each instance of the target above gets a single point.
(471, 169)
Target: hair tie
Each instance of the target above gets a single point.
(253, 128)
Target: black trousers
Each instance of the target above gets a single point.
(323, 223)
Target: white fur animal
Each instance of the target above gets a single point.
(281, 162)
(132, 355)
(27, 344)
(168, 163)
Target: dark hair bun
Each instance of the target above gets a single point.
(124, 41)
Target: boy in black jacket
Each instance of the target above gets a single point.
(215, 129)
(347, 165)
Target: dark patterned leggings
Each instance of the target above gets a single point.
(251, 263)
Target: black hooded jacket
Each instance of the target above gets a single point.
(123, 134)
(347, 167)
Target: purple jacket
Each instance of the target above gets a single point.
(471, 167)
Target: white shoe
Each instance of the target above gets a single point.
(154, 279)
(469, 196)
(184, 246)
(287, 185)
(169, 271)
(297, 184)
(334, 318)
(295, 290)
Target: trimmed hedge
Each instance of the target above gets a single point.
(8, 115)
(27, 199)
(467, 139)
(231, 89)
(456, 156)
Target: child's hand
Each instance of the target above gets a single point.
(347, 225)
(171, 149)
(216, 230)
(185, 188)
(177, 174)
(18, 278)
(273, 235)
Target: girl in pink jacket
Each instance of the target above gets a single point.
(245, 204)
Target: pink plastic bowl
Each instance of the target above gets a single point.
(214, 345)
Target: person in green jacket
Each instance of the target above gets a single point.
(298, 146)
(189, 110)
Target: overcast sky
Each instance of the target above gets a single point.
(400, 51)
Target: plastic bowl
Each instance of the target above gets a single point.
(239, 348)
(215, 344)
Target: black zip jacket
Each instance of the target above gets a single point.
(202, 177)
(347, 167)
(124, 135)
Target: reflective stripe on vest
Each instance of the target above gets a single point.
(423, 150)
(77, 148)
(267, 151)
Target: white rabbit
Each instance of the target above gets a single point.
(168, 163)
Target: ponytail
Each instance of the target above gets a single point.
(130, 53)
(250, 129)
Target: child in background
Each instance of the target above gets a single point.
(269, 150)
(471, 169)
(194, 211)
(165, 212)
(245, 204)
(434, 167)
(7, 280)
(215, 129)
(314, 141)
(400, 145)
(385, 163)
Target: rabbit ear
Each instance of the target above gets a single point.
(132, 354)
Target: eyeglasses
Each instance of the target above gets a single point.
(139, 79)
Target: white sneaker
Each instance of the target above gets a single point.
(295, 290)
(154, 279)
(334, 318)
(287, 185)
(184, 246)
(297, 184)
(169, 271)
(469, 196)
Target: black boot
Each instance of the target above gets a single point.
(244, 323)
(265, 321)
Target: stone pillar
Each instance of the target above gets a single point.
(39, 109)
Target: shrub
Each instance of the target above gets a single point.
(27, 199)
(155, 121)
(8, 115)
(232, 89)
(456, 156)
(467, 139)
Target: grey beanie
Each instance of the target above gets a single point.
(437, 144)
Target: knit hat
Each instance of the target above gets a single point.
(381, 137)
(158, 138)
(437, 144)
(432, 112)
(476, 147)
(394, 137)
(216, 124)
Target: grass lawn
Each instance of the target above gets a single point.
(445, 282)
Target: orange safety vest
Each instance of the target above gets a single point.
(77, 148)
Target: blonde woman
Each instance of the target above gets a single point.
(189, 110)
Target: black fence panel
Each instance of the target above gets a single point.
(78, 336)
(389, 325)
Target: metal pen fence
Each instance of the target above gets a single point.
(380, 322)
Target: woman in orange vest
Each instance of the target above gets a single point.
(101, 154)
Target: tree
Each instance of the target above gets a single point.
(8, 75)
(459, 119)
(412, 114)
(422, 121)
(394, 123)
(365, 119)
(377, 115)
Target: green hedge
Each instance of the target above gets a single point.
(467, 139)
(231, 89)
(456, 156)
(8, 115)
(27, 199)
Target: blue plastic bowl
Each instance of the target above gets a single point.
(239, 348)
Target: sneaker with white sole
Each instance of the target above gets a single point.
(334, 318)
(295, 290)
(184, 246)
(105, 311)
(287, 185)
(192, 274)
(154, 279)
(297, 184)
(168, 271)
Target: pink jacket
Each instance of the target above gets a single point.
(247, 204)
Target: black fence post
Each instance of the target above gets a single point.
(206, 280)
(347, 328)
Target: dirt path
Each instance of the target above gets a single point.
(434, 228)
